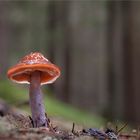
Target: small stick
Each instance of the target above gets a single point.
(116, 129)
(73, 126)
(50, 126)
(31, 121)
(73, 130)
(122, 128)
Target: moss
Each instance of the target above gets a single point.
(14, 94)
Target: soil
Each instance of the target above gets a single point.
(17, 125)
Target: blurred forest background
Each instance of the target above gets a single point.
(95, 43)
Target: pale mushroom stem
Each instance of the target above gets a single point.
(36, 103)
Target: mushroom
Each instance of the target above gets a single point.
(36, 70)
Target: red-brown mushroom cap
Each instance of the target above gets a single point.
(21, 72)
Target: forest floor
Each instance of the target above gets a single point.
(15, 124)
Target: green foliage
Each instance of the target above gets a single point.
(14, 94)
(57, 108)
